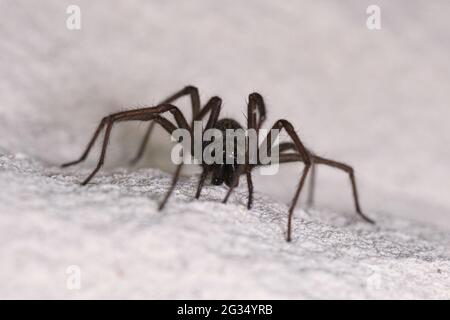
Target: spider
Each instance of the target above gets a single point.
(228, 174)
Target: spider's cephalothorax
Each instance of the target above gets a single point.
(228, 173)
(224, 172)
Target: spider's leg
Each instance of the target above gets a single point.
(103, 153)
(256, 115)
(256, 111)
(144, 114)
(176, 175)
(89, 146)
(285, 146)
(247, 169)
(305, 156)
(141, 114)
(250, 189)
(236, 177)
(201, 182)
(312, 184)
(195, 103)
(293, 157)
(214, 105)
(100, 127)
(351, 174)
(169, 127)
(188, 90)
(143, 144)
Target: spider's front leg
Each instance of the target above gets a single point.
(256, 115)
(280, 124)
(289, 146)
(213, 106)
(256, 111)
(303, 153)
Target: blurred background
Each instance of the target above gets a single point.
(376, 99)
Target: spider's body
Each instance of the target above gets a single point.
(224, 173)
(229, 172)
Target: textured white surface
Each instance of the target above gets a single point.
(198, 249)
(377, 100)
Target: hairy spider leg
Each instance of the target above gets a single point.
(285, 146)
(293, 157)
(195, 103)
(214, 106)
(144, 114)
(284, 124)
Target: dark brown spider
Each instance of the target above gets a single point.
(220, 173)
